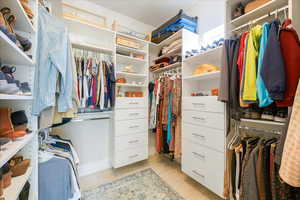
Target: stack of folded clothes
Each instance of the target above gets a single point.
(205, 68)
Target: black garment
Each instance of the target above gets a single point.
(165, 139)
(273, 69)
(234, 99)
(111, 83)
(24, 194)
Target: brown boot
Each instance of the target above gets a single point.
(18, 165)
(6, 127)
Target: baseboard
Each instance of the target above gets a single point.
(94, 167)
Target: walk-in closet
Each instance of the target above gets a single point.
(149, 100)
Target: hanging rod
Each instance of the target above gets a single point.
(261, 130)
(260, 18)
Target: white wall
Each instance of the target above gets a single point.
(112, 15)
(211, 14)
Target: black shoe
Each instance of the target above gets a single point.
(281, 115)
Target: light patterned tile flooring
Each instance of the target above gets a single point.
(168, 170)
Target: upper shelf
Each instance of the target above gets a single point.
(23, 22)
(121, 48)
(168, 67)
(11, 53)
(170, 39)
(258, 12)
(206, 76)
(208, 57)
(174, 51)
(127, 60)
(134, 75)
(132, 37)
(91, 47)
(15, 97)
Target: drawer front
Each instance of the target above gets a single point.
(208, 137)
(212, 120)
(130, 114)
(131, 141)
(204, 165)
(127, 157)
(129, 127)
(132, 103)
(205, 104)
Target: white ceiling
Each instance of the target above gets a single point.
(151, 12)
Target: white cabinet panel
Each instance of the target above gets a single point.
(205, 104)
(130, 103)
(131, 141)
(123, 158)
(130, 126)
(130, 114)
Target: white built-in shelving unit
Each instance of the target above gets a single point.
(11, 55)
(130, 138)
(203, 118)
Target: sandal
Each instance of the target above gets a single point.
(26, 44)
(5, 29)
(18, 166)
(11, 20)
(27, 9)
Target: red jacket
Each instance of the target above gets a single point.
(290, 46)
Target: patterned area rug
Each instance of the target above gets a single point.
(143, 185)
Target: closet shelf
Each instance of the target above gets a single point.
(258, 12)
(206, 76)
(12, 53)
(132, 37)
(175, 65)
(11, 148)
(23, 22)
(91, 47)
(210, 56)
(121, 48)
(14, 97)
(17, 184)
(129, 60)
(93, 116)
(170, 39)
(132, 75)
(259, 121)
(178, 50)
(130, 85)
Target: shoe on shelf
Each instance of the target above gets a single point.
(9, 21)
(7, 175)
(24, 87)
(6, 126)
(18, 165)
(281, 115)
(26, 44)
(255, 113)
(26, 8)
(267, 115)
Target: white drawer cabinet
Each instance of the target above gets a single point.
(130, 114)
(212, 120)
(130, 103)
(131, 141)
(130, 127)
(212, 138)
(204, 165)
(126, 157)
(205, 104)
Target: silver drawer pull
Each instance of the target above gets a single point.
(133, 103)
(133, 114)
(133, 141)
(198, 104)
(134, 156)
(197, 173)
(199, 118)
(198, 135)
(199, 155)
(135, 126)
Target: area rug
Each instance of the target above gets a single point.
(143, 185)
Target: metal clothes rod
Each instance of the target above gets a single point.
(89, 119)
(260, 130)
(260, 18)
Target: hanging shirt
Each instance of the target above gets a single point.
(262, 92)
(251, 64)
(54, 60)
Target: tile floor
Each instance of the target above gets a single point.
(168, 170)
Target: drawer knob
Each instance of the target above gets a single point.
(199, 118)
(199, 155)
(197, 173)
(135, 126)
(198, 104)
(198, 135)
(133, 141)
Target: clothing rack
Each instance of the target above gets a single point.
(277, 132)
(169, 72)
(275, 12)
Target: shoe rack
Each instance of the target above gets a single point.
(12, 55)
